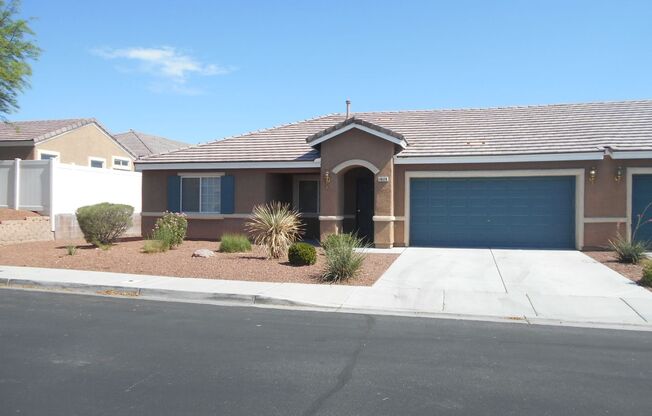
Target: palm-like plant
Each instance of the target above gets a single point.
(275, 226)
(633, 250)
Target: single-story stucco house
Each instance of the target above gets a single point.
(552, 176)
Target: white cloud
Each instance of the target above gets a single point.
(166, 63)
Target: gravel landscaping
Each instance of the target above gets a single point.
(127, 257)
(7, 214)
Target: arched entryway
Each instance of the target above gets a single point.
(358, 201)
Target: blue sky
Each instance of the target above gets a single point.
(200, 70)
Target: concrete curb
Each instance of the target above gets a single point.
(277, 302)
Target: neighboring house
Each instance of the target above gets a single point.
(82, 142)
(142, 144)
(556, 176)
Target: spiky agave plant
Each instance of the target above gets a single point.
(275, 226)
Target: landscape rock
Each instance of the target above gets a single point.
(203, 252)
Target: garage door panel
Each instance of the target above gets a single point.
(641, 197)
(500, 212)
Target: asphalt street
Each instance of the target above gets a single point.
(65, 354)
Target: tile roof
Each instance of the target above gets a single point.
(142, 144)
(39, 130)
(559, 128)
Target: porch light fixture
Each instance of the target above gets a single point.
(327, 177)
(619, 174)
(593, 173)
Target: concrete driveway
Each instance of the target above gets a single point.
(546, 284)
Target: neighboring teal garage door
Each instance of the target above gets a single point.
(641, 197)
(532, 212)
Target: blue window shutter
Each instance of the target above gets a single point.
(174, 193)
(227, 194)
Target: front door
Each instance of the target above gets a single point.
(364, 208)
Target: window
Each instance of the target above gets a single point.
(306, 194)
(201, 194)
(96, 162)
(47, 154)
(120, 163)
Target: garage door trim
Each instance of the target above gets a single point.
(630, 182)
(579, 190)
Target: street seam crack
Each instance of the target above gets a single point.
(345, 375)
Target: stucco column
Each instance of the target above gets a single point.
(330, 204)
(384, 206)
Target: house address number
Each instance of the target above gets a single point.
(383, 179)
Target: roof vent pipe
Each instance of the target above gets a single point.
(348, 108)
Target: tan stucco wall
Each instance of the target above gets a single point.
(20, 152)
(76, 146)
(252, 187)
(603, 198)
(351, 145)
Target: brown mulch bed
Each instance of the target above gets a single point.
(127, 257)
(633, 272)
(15, 214)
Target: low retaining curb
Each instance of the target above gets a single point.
(261, 300)
(128, 291)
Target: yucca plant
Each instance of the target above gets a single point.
(343, 260)
(628, 251)
(274, 226)
(632, 251)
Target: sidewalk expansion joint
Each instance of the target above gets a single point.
(498, 270)
(632, 308)
(532, 304)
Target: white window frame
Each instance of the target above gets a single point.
(96, 159)
(39, 153)
(295, 193)
(199, 176)
(120, 167)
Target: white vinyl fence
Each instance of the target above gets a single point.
(54, 188)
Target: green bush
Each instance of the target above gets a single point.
(234, 243)
(628, 251)
(646, 279)
(102, 224)
(71, 249)
(343, 261)
(171, 228)
(302, 254)
(155, 246)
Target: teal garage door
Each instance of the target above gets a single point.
(528, 212)
(641, 198)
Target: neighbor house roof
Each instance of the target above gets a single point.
(39, 130)
(142, 144)
(529, 130)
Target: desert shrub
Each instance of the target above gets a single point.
(172, 228)
(646, 279)
(234, 243)
(628, 251)
(155, 246)
(339, 239)
(343, 261)
(274, 226)
(71, 249)
(102, 224)
(302, 254)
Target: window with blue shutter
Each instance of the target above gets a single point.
(174, 193)
(206, 194)
(228, 194)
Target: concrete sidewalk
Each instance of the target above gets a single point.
(382, 298)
